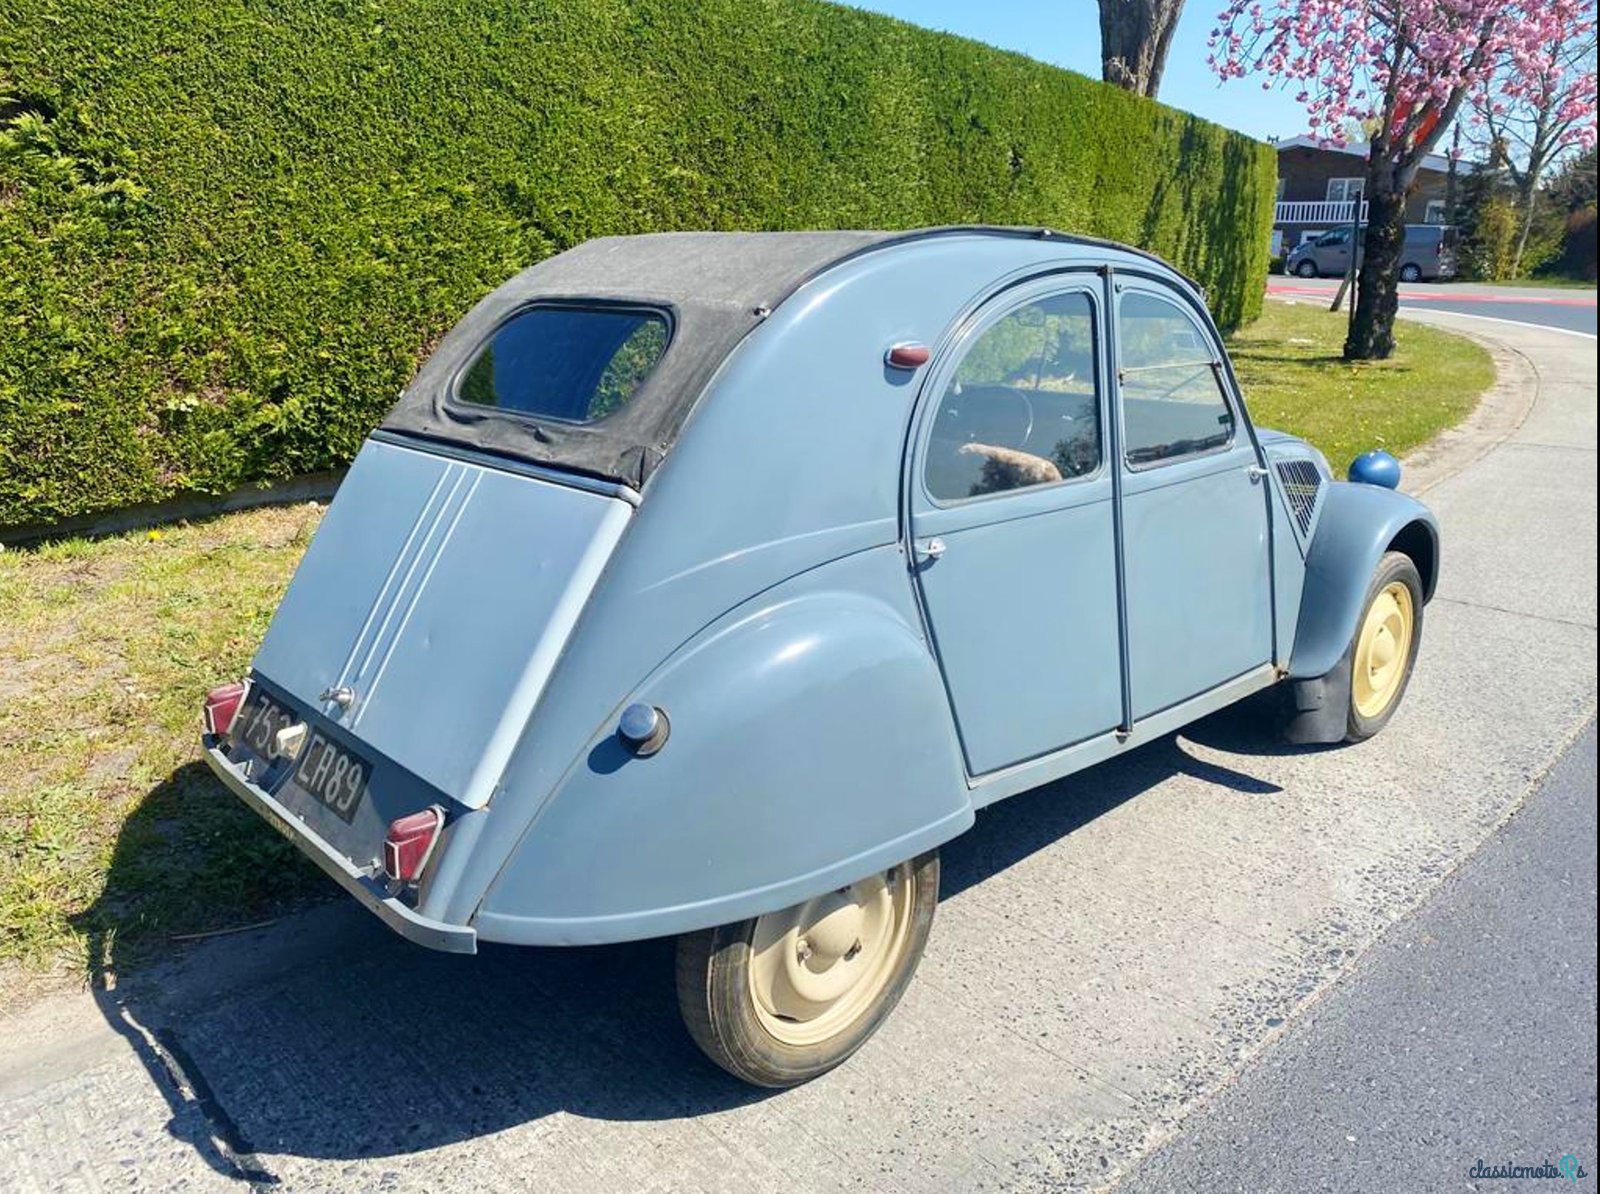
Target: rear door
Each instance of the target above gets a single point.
(1194, 507)
(1013, 532)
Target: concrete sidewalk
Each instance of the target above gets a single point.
(1110, 949)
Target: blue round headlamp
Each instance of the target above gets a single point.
(1376, 468)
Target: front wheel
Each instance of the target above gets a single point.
(1385, 646)
(1306, 269)
(1411, 273)
(781, 998)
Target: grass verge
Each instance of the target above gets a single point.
(1294, 380)
(114, 837)
(110, 827)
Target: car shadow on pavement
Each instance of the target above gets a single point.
(327, 1036)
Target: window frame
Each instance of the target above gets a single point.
(1218, 366)
(978, 324)
(1436, 205)
(454, 403)
(1345, 196)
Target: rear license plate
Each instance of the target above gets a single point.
(334, 776)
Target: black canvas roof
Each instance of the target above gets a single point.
(717, 286)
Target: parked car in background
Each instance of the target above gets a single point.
(1429, 253)
(706, 584)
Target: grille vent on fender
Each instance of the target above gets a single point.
(1302, 481)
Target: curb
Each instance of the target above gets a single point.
(1504, 407)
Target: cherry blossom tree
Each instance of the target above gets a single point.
(1530, 128)
(1401, 71)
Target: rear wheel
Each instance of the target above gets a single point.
(1385, 646)
(781, 998)
(1306, 269)
(1410, 272)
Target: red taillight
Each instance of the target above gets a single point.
(409, 843)
(222, 706)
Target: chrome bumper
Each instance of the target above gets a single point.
(399, 916)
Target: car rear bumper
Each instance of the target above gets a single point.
(399, 916)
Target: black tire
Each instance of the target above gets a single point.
(714, 996)
(1410, 272)
(1394, 568)
(1306, 269)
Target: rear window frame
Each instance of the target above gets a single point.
(455, 404)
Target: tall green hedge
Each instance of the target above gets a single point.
(229, 229)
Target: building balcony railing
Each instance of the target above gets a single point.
(1317, 211)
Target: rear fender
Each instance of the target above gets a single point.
(810, 744)
(1357, 524)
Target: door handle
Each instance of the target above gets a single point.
(1256, 473)
(928, 549)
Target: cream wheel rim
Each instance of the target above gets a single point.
(817, 967)
(1383, 649)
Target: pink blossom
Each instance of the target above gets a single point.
(1342, 56)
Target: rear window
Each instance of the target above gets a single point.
(575, 364)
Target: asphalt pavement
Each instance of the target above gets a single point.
(1553, 307)
(1465, 1040)
(1109, 954)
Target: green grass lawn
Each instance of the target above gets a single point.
(109, 824)
(1294, 380)
(114, 837)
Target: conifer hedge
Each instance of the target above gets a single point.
(229, 229)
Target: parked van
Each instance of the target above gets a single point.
(1429, 254)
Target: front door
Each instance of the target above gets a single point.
(1194, 507)
(1013, 528)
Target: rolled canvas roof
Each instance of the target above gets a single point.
(717, 286)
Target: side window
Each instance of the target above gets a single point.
(1023, 408)
(1173, 403)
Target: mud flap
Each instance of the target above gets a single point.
(1318, 710)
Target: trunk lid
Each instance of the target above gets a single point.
(441, 592)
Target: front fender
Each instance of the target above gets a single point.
(1355, 526)
(810, 745)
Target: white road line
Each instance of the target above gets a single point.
(1516, 323)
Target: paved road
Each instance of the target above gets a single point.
(1571, 310)
(1110, 950)
(1466, 1035)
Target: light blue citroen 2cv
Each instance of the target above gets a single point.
(705, 584)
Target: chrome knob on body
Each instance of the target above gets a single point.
(341, 695)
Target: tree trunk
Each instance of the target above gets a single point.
(1529, 197)
(1378, 283)
(1522, 239)
(1134, 38)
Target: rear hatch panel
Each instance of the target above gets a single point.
(440, 592)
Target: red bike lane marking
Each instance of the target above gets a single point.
(1451, 297)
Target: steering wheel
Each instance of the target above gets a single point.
(987, 414)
